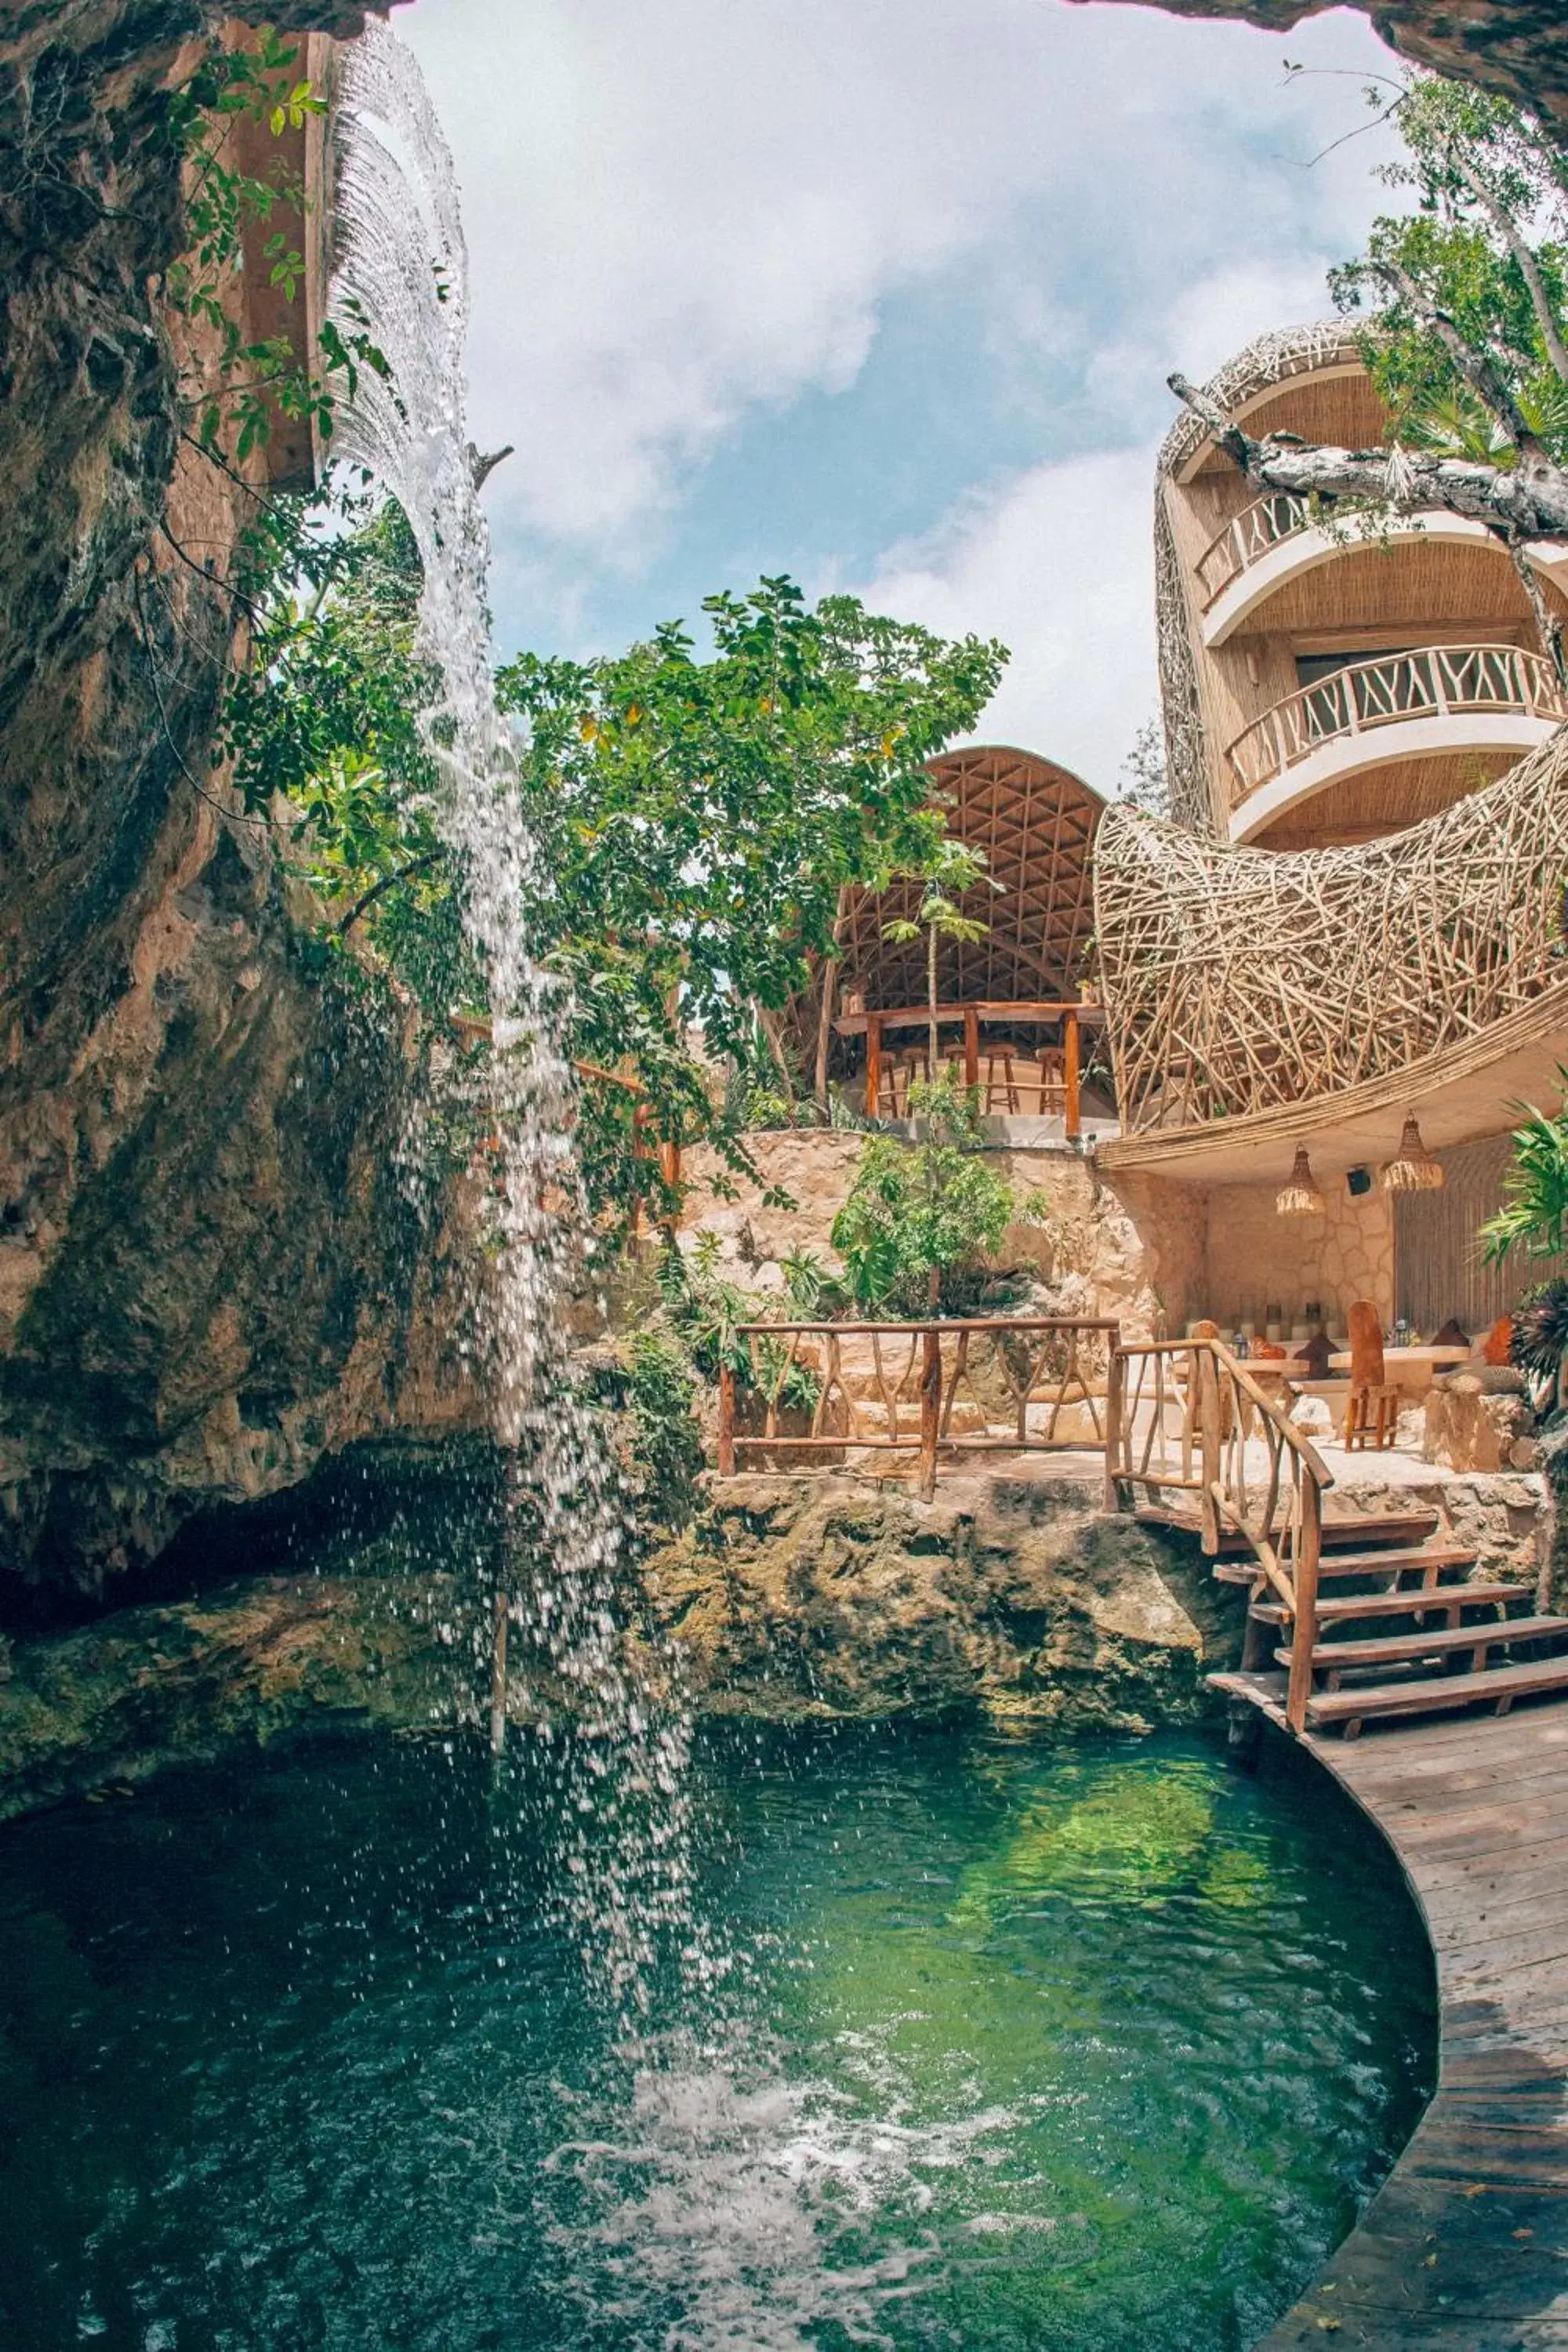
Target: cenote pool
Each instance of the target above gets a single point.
(1052, 2050)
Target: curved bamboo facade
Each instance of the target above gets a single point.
(1328, 680)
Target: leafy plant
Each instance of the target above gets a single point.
(233, 394)
(921, 1218)
(666, 1445)
(952, 868)
(1534, 1214)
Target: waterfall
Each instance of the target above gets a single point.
(619, 1757)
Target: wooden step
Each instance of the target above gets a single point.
(1404, 1528)
(1430, 1557)
(1389, 1649)
(1498, 1687)
(1338, 1606)
(1380, 1563)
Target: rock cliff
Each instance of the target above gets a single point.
(207, 1271)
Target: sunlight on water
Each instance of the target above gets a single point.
(1084, 2051)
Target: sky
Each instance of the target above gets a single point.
(880, 293)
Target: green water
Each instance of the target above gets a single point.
(1092, 2050)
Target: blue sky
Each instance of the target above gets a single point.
(880, 292)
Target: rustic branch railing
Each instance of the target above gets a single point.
(1437, 682)
(1263, 525)
(913, 1379)
(1186, 1418)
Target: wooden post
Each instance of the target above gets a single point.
(1114, 1382)
(970, 1045)
(726, 1421)
(1205, 1381)
(1304, 1639)
(930, 1411)
(1071, 1073)
(873, 1063)
(498, 1673)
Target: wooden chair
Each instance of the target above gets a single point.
(997, 1076)
(1372, 1414)
(1053, 1082)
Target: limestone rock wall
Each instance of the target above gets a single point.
(1133, 1250)
(206, 1269)
(797, 1597)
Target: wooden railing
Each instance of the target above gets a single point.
(988, 1374)
(1186, 1418)
(1247, 537)
(1050, 1078)
(1437, 682)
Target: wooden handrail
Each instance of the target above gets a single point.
(1427, 682)
(1282, 1525)
(847, 1328)
(1033, 1373)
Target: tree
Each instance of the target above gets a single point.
(954, 868)
(921, 1218)
(1143, 781)
(696, 820)
(1466, 305)
(1534, 1214)
(700, 819)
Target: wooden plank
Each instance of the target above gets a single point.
(1504, 1683)
(1435, 1641)
(1465, 2248)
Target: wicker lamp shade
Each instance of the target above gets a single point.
(1413, 1168)
(1301, 1197)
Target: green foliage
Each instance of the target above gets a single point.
(705, 1312)
(921, 1218)
(1490, 190)
(1534, 1214)
(330, 714)
(698, 819)
(233, 401)
(666, 1445)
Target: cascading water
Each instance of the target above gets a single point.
(621, 1755)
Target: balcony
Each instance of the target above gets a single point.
(1279, 538)
(1433, 703)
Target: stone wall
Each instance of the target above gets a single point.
(1132, 1250)
(208, 1273)
(1254, 1257)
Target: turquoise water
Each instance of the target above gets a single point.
(1023, 2050)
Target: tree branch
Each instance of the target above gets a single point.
(363, 904)
(1474, 366)
(1529, 501)
(1529, 268)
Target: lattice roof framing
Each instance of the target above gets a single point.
(1238, 980)
(1035, 821)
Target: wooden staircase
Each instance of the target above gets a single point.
(1369, 1617)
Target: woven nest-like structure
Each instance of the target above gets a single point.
(1272, 360)
(1036, 823)
(1238, 980)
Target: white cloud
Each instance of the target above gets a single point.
(682, 216)
(1056, 565)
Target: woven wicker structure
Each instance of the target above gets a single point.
(1237, 980)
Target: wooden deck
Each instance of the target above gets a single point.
(1465, 2248)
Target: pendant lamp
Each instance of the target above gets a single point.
(1301, 1197)
(1413, 1168)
